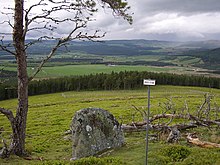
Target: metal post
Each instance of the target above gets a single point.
(149, 83)
(147, 128)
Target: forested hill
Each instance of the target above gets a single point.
(123, 47)
(206, 50)
(111, 47)
(210, 56)
(128, 47)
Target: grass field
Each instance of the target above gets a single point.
(50, 116)
(72, 70)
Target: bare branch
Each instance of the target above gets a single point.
(8, 22)
(38, 40)
(46, 20)
(52, 52)
(27, 22)
(89, 37)
(142, 113)
(4, 48)
(47, 14)
(205, 122)
(8, 114)
(8, 17)
(176, 116)
(63, 41)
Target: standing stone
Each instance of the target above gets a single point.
(94, 130)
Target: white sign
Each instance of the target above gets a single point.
(149, 82)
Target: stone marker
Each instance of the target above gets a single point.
(94, 130)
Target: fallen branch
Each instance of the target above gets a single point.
(132, 128)
(191, 138)
(193, 123)
(157, 127)
(167, 116)
(198, 121)
(205, 122)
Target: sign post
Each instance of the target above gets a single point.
(148, 82)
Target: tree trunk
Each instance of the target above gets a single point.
(19, 122)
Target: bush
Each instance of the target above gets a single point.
(203, 156)
(176, 153)
(86, 161)
(53, 162)
(98, 161)
(158, 159)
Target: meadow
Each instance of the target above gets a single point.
(86, 69)
(50, 116)
(72, 70)
(175, 64)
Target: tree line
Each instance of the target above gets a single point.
(125, 80)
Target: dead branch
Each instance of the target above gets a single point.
(177, 116)
(186, 108)
(191, 138)
(205, 122)
(193, 123)
(133, 128)
(142, 113)
(202, 122)
(205, 108)
(137, 127)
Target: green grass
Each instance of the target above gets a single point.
(70, 70)
(50, 116)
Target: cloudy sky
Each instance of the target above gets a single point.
(181, 20)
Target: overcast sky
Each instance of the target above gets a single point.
(181, 20)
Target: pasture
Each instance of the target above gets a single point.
(86, 69)
(50, 116)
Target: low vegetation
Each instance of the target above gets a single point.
(50, 116)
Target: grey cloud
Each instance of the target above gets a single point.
(177, 6)
(157, 19)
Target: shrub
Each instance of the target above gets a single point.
(86, 161)
(53, 162)
(98, 161)
(176, 153)
(203, 156)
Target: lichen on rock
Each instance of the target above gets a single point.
(94, 130)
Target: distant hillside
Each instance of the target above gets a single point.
(209, 44)
(210, 56)
(129, 48)
(111, 47)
